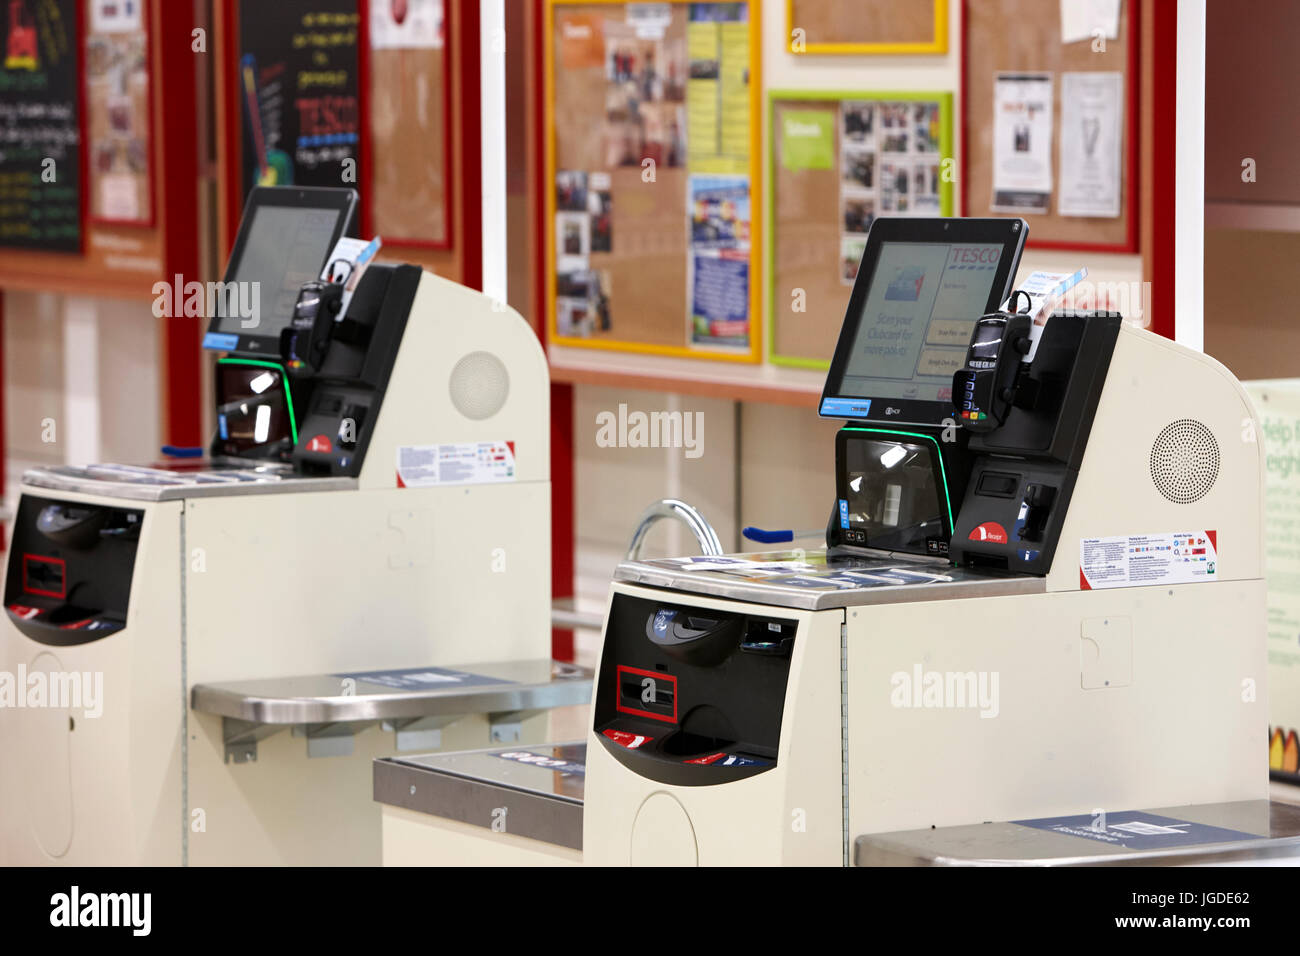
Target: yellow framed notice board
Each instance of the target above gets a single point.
(652, 177)
(836, 161)
(866, 26)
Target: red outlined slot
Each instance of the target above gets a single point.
(619, 670)
(62, 592)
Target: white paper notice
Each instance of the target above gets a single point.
(406, 24)
(459, 463)
(115, 16)
(1022, 142)
(116, 196)
(1085, 19)
(1142, 560)
(1092, 144)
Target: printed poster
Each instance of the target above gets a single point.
(117, 114)
(1277, 404)
(1092, 140)
(407, 25)
(720, 249)
(1022, 142)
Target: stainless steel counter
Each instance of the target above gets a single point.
(183, 478)
(541, 785)
(413, 702)
(1270, 830)
(810, 581)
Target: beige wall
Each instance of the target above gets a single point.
(90, 365)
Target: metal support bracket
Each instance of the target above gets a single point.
(241, 736)
(329, 740)
(507, 726)
(419, 733)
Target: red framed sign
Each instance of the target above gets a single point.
(1038, 47)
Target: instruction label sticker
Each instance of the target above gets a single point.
(1139, 560)
(458, 463)
(1135, 830)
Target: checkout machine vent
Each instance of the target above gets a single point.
(479, 385)
(1184, 461)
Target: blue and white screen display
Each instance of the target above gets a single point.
(922, 304)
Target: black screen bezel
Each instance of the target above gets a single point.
(1008, 231)
(342, 200)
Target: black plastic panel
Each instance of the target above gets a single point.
(692, 696)
(70, 569)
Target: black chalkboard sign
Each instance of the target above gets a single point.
(298, 88)
(40, 125)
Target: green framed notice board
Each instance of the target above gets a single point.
(836, 160)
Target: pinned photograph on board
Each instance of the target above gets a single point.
(851, 249)
(925, 127)
(895, 180)
(859, 168)
(858, 214)
(859, 121)
(571, 190)
(895, 128)
(600, 205)
(925, 187)
(582, 302)
(572, 239)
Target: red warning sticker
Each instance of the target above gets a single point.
(989, 531)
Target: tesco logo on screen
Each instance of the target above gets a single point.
(976, 255)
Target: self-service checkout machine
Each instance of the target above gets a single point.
(374, 512)
(1041, 595)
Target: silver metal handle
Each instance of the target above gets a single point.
(686, 514)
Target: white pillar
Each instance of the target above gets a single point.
(492, 69)
(78, 433)
(1189, 178)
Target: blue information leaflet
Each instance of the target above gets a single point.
(423, 678)
(1135, 830)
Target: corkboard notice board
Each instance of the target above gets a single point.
(992, 46)
(652, 177)
(406, 70)
(836, 160)
(866, 26)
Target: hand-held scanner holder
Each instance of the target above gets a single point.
(985, 388)
(304, 341)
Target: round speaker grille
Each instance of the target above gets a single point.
(479, 385)
(1184, 461)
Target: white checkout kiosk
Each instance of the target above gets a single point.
(1036, 633)
(360, 566)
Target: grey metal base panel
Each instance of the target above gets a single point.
(1276, 827)
(541, 800)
